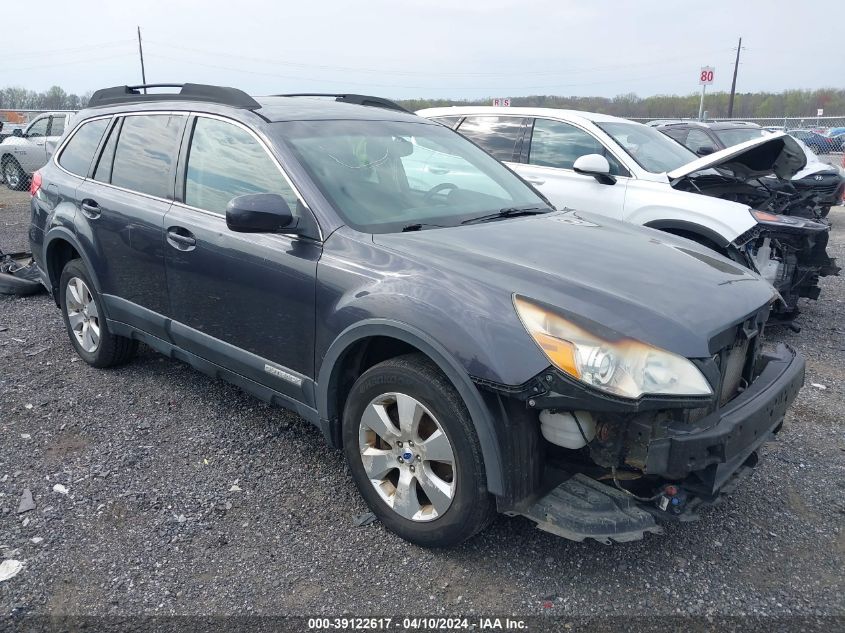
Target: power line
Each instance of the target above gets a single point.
(55, 51)
(336, 82)
(75, 61)
(520, 73)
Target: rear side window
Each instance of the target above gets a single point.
(57, 125)
(225, 161)
(77, 155)
(496, 134)
(146, 152)
(103, 170)
(558, 144)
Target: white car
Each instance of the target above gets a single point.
(631, 172)
(24, 153)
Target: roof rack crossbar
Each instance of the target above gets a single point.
(188, 92)
(367, 100)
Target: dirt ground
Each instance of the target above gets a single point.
(186, 496)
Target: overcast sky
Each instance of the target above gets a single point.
(436, 48)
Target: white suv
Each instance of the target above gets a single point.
(22, 154)
(631, 172)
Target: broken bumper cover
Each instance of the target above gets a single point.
(713, 454)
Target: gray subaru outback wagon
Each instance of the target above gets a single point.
(470, 348)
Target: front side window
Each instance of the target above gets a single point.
(697, 139)
(558, 144)
(226, 161)
(651, 149)
(383, 176)
(146, 152)
(77, 155)
(496, 134)
(38, 128)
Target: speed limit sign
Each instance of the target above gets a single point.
(706, 75)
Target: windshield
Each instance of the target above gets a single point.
(383, 176)
(653, 150)
(735, 136)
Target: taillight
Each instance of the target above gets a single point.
(35, 183)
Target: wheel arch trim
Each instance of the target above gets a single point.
(479, 413)
(65, 234)
(689, 227)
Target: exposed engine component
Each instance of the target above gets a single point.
(571, 430)
(791, 254)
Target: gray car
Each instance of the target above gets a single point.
(470, 348)
(24, 152)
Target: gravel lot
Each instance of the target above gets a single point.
(186, 496)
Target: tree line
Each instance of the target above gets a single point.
(54, 98)
(792, 103)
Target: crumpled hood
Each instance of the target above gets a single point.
(642, 283)
(775, 154)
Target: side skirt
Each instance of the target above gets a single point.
(214, 370)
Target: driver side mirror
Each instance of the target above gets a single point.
(594, 165)
(704, 150)
(17, 132)
(260, 213)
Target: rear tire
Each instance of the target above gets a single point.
(424, 476)
(86, 325)
(15, 177)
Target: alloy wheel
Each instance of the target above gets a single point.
(407, 456)
(82, 314)
(12, 175)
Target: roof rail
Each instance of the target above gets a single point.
(367, 100)
(188, 92)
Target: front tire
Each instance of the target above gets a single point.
(85, 322)
(14, 175)
(414, 453)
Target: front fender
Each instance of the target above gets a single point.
(657, 202)
(482, 418)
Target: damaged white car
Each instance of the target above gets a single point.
(632, 172)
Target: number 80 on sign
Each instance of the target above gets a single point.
(705, 77)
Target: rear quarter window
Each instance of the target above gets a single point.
(77, 155)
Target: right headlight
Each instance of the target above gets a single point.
(624, 367)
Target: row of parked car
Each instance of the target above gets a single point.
(759, 199)
(419, 288)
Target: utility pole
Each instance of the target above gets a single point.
(141, 53)
(733, 83)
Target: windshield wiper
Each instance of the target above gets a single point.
(419, 226)
(508, 212)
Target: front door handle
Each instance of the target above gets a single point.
(181, 239)
(535, 181)
(90, 209)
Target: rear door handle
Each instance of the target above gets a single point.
(181, 239)
(90, 209)
(535, 181)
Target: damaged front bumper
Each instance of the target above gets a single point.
(669, 462)
(721, 443)
(791, 254)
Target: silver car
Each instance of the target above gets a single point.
(24, 152)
